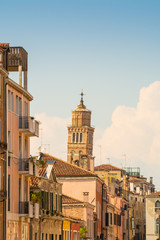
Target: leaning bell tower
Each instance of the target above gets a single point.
(80, 138)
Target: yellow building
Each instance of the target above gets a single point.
(66, 229)
(152, 216)
(109, 173)
(80, 138)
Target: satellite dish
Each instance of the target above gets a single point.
(41, 149)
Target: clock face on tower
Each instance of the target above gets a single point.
(80, 137)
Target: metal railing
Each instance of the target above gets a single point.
(23, 164)
(29, 124)
(23, 207)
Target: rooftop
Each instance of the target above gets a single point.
(106, 167)
(65, 169)
(155, 194)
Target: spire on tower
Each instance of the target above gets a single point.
(81, 105)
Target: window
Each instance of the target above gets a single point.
(20, 107)
(42, 236)
(157, 225)
(56, 202)
(35, 236)
(46, 236)
(77, 137)
(17, 108)
(60, 203)
(26, 148)
(81, 138)
(10, 101)
(110, 218)
(106, 219)
(26, 109)
(9, 192)
(72, 156)
(73, 137)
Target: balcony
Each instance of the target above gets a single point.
(26, 208)
(29, 126)
(3, 194)
(25, 166)
(16, 57)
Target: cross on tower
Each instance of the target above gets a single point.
(82, 94)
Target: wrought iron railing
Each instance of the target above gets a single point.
(23, 164)
(29, 124)
(23, 207)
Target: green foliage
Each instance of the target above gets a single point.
(42, 163)
(36, 197)
(83, 231)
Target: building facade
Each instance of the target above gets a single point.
(20, 127)
(152, 216)
(80, 138)
(4, 48)
(90, 189)
(46, 196)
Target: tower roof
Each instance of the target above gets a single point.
(81, 106)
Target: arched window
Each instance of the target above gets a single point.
(73, 137)
(72, 153)
(157, 225)
(77, 135)
(81, 139)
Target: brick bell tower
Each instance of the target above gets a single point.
(80, 138)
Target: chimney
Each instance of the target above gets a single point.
(86, 196)
(151, 180)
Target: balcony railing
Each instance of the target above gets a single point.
(23, 207)
(29, 126)
(26, 208)
(25, 166)
(17, 56)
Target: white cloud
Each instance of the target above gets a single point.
(135, 131)
(53, 135)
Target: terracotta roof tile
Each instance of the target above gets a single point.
(64, 169)
(106, 167)
(42, 171)
(4, 44)
(34, 182)
(155, 194)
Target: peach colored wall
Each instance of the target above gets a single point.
(84, 185)
(13, 169)
(75, 187)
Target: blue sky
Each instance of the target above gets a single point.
(108, 48)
